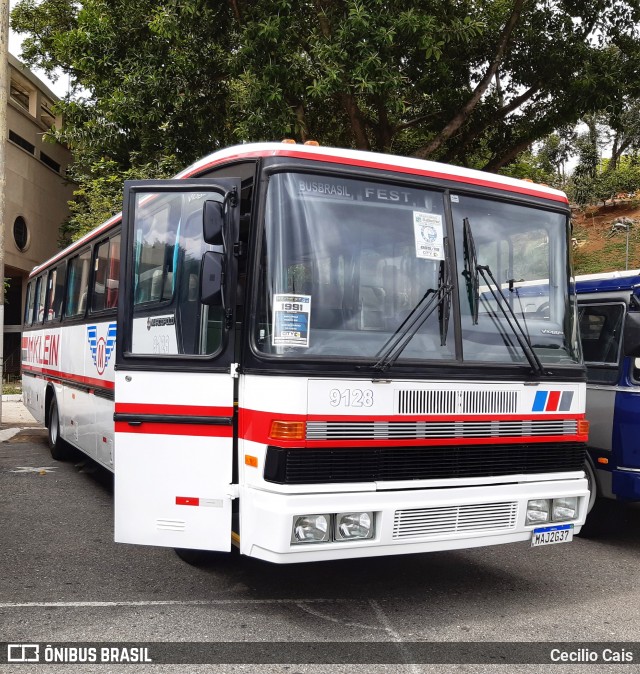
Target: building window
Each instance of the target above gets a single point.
(22, 142)
(20, 95)
(47, 116)
(51, 163)
(20, 233)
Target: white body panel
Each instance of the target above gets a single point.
(76, 363)
(173, 476)
(267, 518)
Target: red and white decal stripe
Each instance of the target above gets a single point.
(255, 426)
(68, 377)
(171, 428)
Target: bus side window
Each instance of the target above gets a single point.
(601, 332)
(113, 275)
(78, 284)
(55, 293)
(28, 305)
(98, 291)
(41, 296)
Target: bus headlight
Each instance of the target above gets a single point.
(311, 529)
(538, 511)
(354, 525)
(564, 509)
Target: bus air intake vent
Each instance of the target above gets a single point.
(171, 525)
(416, 401)
(422, 522)
(331, 465)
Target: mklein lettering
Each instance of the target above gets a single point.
(43, 350)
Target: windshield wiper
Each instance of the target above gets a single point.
(471, 273)
(405, 332)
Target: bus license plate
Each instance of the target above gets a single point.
(562, 533)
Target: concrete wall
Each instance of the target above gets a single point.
(35, 191)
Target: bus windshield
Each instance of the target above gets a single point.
(346, 266)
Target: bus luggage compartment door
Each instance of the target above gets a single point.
(173, 460)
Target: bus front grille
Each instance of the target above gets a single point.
(379, 464)
(440, 520)
(418, 430)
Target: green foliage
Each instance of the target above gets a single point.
(99, 195)
(529, 166)
(180, 78)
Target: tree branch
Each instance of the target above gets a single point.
(499, 114)
(497, 163)
(235, 8)
(462, 115)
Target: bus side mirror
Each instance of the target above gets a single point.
(213, 223)
(212, 279)
(631, 336)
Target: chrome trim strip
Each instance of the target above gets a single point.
(417, 430)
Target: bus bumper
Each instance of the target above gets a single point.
(625, 484)
(407, 521)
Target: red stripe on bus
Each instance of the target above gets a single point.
(552, 402)
(327, 158)
(67, 376)
(256, 426)
(159, 428)
(349, 161)
(179, 410)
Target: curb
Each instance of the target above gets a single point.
(12, 398)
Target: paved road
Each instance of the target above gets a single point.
(63, 579)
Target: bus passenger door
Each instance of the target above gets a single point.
(174, 385)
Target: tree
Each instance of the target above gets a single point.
(473, 82)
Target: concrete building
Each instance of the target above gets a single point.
(37, 193)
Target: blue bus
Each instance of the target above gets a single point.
(609, 320)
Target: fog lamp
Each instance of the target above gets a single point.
(354, 525)
(538, 511)
(564, 509)
(311, 528)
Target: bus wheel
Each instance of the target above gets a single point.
(198, 557)
(599, 510)
(204, 558)
(593, 485)
(58, 447)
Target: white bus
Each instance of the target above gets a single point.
(316, 354)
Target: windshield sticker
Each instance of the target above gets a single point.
(291, 320)
(315, 188)
(429, 237)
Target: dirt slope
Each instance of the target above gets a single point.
(598, 245)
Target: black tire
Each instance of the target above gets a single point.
(600, 511)
(205, 558)
(199, 558)
(59, 449)
(593, 485)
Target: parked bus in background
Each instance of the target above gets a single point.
(609, 310)
(316, 354)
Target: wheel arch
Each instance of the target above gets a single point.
(49, 395)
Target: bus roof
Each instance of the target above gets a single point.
(357, 158)
(609, 282)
